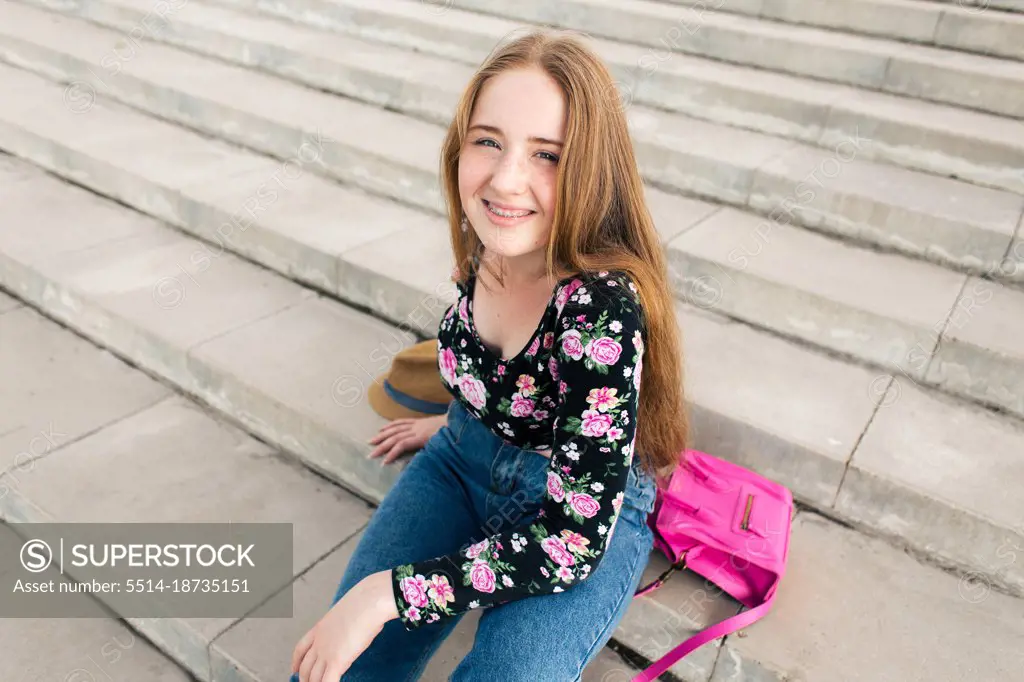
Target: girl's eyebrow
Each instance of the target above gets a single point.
(497, 131)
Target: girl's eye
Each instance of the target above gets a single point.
(486, 140)
(550, 157)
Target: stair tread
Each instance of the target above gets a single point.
(885, 284)
(919, 624)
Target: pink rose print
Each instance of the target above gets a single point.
(540, 415)
(595, 424)
(555, 488)
(448, 362)
(636, 373)
(526, 384)
(463, 310)
(433, 617)
(482, 578)
(566, 293)
(534, 347)
(544, 572)
(617, 502)
(585, 505)
(412, 613)
(614, 433)
(475, 550)
(440, 591)
(521, 407)
(414, 590)
(638, 341)
(555, 549)
(564, 574)
(604, 350)
(473, 390)
(603, 399)
(501, 370)
(549, 340)
(572, 344)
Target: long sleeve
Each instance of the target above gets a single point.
(596, 364)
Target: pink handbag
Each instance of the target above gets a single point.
(729, 525)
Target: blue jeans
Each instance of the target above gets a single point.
(467, 484)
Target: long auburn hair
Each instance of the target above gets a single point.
(611, 230)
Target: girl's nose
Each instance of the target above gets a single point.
(510, 176)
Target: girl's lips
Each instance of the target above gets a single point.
(504, 207)
(504, 221)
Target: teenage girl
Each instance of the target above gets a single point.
(530, 498)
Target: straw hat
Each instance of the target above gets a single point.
(412, 387)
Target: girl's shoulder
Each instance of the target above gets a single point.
(607, 287)
(590, 294)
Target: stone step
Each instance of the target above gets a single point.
(160, 299)
(981, 347)
(920, 623)
(965, 80)
(191, 463)
(945, 140)
(883, 309)
(879, 307)
(89, 649)
(939, 219)
(984, 5)
(954, 26)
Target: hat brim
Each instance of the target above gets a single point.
(383, 405)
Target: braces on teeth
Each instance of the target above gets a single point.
(507, 214)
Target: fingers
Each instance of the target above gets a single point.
(387, 446)
(400, 448)
(307, 666)
(317, 674)
(388, 440)
(335, 672)
(300, 650)
(395, 425)
(396, 445)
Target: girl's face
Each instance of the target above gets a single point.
(509, 162)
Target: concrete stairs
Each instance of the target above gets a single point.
(197, 466)
(886, 307)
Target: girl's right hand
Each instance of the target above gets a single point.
(405, 435)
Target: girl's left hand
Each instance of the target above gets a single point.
(346, 630)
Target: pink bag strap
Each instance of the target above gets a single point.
(726, 627)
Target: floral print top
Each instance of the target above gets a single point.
(572, 393)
